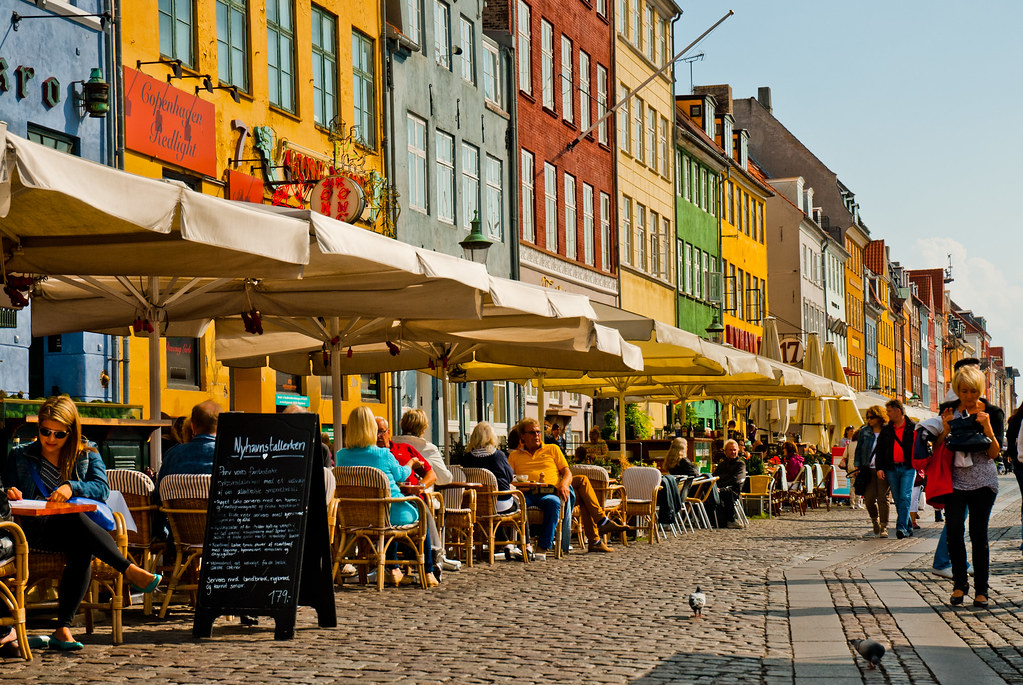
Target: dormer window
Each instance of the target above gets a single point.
(726, 133)
(743, 151)
(695, 111)
(708, 117)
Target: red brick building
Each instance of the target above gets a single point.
(565, 83)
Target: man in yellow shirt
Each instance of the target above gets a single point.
(547, 464)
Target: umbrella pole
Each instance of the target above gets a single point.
(541, 401)
(621, 426)
(155, 396)
(335, 384)
(444, 418)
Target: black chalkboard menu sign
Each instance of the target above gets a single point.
(266, 549)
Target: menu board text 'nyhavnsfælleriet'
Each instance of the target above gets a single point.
(266, 548)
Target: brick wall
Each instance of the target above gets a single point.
(547, 136)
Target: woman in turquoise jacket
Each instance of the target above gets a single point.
(361, 450)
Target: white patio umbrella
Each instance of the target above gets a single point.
(65, 215)
(813, 414)
(772, 415)
(843, 410)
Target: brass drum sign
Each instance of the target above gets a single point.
(338, 197)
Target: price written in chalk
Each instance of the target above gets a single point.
(277, 597)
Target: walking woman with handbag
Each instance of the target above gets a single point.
(59, 466)
(973, 431)
(873, 489)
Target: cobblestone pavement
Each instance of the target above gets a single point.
(587, 618)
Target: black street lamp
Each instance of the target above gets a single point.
(715, 331)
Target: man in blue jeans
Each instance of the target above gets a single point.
(894, 454)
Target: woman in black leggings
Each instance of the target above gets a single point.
(60, 465)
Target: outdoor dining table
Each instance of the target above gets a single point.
(36, 507)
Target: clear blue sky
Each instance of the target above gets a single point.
(914, 105)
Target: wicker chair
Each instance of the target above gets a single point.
(641, 486)
(364, 516)
(137, 489)
(45, 567)
(611, 497)
(13, 582)
(185, 499)
(459, 520)
(488, 519)
(820, 489)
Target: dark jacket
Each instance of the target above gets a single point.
(864, 443)
(1011, 433)
(684, 467)
(996, 415)
(88, 479)
(731, 472)
(886, 445)
(496, 462)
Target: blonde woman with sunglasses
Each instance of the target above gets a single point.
(60, 465)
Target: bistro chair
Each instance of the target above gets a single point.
(684, 515)
(13, 583)
(184, 501)
(45, 568)
(489, 520)
(459, 519)
(701, 489)
(760, 490)
(779, 491)
(809, 486)
(137, 489)
(823, 478)
(641, 486)
(364, 523)
(797, 492)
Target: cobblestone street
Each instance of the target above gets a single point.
(783, 599)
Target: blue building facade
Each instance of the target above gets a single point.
(44, 57)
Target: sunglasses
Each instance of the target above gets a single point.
(47, 432)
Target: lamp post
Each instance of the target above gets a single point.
(715, 331)
(475, 245)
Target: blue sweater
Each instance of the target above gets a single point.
(88, 479)
(402, 513)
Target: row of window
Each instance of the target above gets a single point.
(696, 183)
(494, 412)
(698, 273)
(570, 197)
(645, 238)
(643, 133)
(640, 24)
(744, 211)
(466, 37)
(592, 81)
(451, 183)
(177, 41)
(814, 319)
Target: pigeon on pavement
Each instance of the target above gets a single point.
(697, 600)
(870, 650)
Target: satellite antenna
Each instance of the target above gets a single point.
(948, 271)
(689, 60)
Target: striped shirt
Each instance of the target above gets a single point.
(49, 474)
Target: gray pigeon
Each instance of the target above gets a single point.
(870, 650)
(697, 600)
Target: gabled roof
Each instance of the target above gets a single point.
(874, 258)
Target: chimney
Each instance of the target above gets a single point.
(764, 97)
(721, 93)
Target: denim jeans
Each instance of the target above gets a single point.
(900, 480)
(551, 507)
(979, 502)
(941, 559)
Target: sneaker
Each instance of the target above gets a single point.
(899, 534)
(431, 581)
(884, 533)
(450, 564)
(734, 524)
(600, 546)
(540, 555)
(942, 572)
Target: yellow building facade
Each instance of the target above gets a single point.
(253, 101)
(645, 159)
(856, 358)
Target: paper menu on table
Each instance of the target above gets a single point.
(29, 503)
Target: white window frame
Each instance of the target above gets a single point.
(588, 237)
(571, 218)
(655, 243)
(495, 198)
(417, 164)
(468, 43)
(638, 114)
(680, 267)
(651, 137)
(624, 121)
(550, 206)
(665, 150)
(470, 183)
(626, 210)
(567, 85)
(547, 64)
(526, 172)
(492, 74)
(584, 90)
(525, 49)
(602, 103)
(605, 232)
(687, 275)
(442, 34)
(650, 40)
(444, 159)
(641, 258)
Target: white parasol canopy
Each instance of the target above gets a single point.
(813, 414)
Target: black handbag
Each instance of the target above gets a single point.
(966, 435)
(863, 476)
